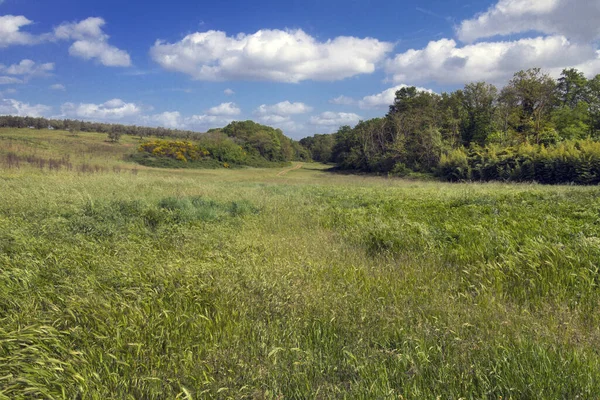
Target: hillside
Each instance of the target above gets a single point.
(236, 145)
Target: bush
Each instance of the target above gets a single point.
(454, 166)
(213, 151)
(568, 162)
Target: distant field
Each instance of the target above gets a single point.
(265, 284)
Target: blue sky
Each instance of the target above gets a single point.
(304, 66)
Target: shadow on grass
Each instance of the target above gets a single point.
(336, 170)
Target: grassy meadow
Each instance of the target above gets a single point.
(129, 282)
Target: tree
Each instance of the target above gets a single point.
(114, 135)
(452, 115)
(414, 123)
(593, 100)
(479, 101)
(533, 93)
(572, 88)
(320, 147)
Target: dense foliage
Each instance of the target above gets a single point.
(567, 162)
(319, 146)
(263, 141)
(428, 132)
(239, 143)
(212, 151)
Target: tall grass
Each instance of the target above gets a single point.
(241, 284)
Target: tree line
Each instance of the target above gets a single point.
(422, 130)
(240, 142)
(114, 131)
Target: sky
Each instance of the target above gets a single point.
(303, 66)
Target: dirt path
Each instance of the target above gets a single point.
(298, 166)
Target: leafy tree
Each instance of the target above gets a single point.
(572, 88)
(593, 100)
(534, 93)
(452, 115)
(413, 119)
(479, 102)
(320, 147)
(114, 135)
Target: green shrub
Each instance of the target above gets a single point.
(567, 162)
(454, 166)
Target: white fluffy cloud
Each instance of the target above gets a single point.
(106, 54)
(11, 34)
(168, 119)
(385, 98)
(28, 68)
(273, 119)
(228, 92)
(280, 115)
(224, 109)
(25, 70)
(335, 119)
(115, 109)
(92, 43)
(15, 107)
(575, 19)
(343, 100)
(445, 62)
(269, 55)
(566, 34)
(58, 87)
(204, 122)
(283, 108)
(216, 116)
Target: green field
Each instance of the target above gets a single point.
(141, 283)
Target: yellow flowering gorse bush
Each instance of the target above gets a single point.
(179, 150)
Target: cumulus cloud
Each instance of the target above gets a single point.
(385, 98)
(335, 119)
(269, 55)
(445, 62)
(11, 34)
(217, 116)
(91, 43)
(204, 122)
(168, 119)
(224, 109)
(23, 72)
(114, 109)
(577, 20)
(58, 86)
(28, 69)
(228, 92)
(273, 119)
(18, 108)
(283, 108)
(280, 115)
(555, 34)
(89, 40)
(343, 100)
